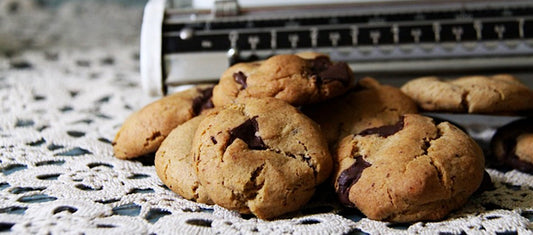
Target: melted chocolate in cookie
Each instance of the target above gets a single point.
(246, 132)
(241, 79)
(384, 131)
(349, 177)
(336, 72)
(326, 71)
(203, 101)
(320, 63)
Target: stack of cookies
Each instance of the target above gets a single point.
(262, 139)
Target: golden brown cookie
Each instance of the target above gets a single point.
(174, 162)
(512, 145)
(298, 80)
(144, 130)
(369, 105)
(411, 171)
(260, 156)
(472, 94)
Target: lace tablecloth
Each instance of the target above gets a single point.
(60, 110)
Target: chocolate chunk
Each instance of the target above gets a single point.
(384, 131)
(320, 63)
(203, 101)
(241, 79)
(336, 72)
(325, 71)
(247, 133)
(349, 177)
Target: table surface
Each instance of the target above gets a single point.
(60, 109)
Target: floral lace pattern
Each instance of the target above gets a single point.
(61, 109)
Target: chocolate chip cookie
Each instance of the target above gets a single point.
(260, 156)
(472, 94)
(174, 162)
(512, 145)
(143, 131)
(370, 104)
(296, 79)
(410, 171)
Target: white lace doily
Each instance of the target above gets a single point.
(60, 110)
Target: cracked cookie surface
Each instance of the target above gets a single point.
(260, 156)
(175, 165)
(144, 130)
(297, 79)
(410, 171)
(472, 94)
(370, 104)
